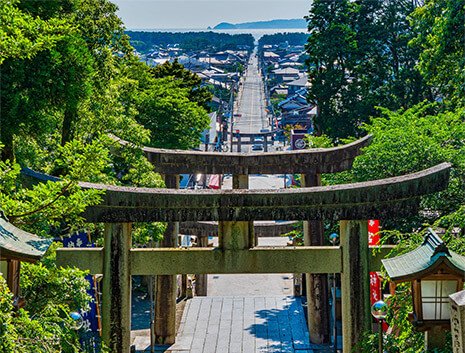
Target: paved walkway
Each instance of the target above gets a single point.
(242, 325)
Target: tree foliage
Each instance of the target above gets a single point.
(45, 326)
(412, 139)
(409, 141)
(87, 83)
(359, 58)
(35, 89)
(186, 79)
(190, 40)
(23, 35)
(52, 205)
(73, 82)
(173, 120)
(439, 33)
(69, 79)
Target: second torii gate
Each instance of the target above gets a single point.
(350, 203)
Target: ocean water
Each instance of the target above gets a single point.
(256, 33)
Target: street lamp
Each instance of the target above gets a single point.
(334, 239)
(379, 310)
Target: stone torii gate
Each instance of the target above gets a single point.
(310, 163)
(352, 204)
(252, 136)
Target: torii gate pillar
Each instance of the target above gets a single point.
(165, 297)
(236, 235)
(355, 278)
(316, 284)
(116, 287)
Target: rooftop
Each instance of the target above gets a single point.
(20, 245)
(424, 260)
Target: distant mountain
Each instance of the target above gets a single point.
(293, 23)
(225, 25)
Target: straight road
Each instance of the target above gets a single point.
(251, 103)
(251, 106)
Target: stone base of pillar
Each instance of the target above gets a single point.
(201, 285)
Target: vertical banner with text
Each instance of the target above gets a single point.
(373, 239)
(373, 232)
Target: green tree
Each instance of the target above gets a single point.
(36, 87)
(50, 87)
(53, 204)
(277, 38)
(439, 33)
(51, 293)
(23, 35)
(409, 141)
(64, 88)
(172, 118)
(186, 79)
(195, 44)
(107, 111)
(51, 69)
(359, 58)
(405, 85)
(404, 142)
(331, 46)
(192, 40)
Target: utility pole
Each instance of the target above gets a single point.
(231, 121)
(233, 84)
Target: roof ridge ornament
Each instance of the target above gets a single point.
(436, 243)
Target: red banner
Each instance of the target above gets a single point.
(375, 282)
(373, 239)
(375, 286)
(373, 232)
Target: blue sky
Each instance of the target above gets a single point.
(138, 14)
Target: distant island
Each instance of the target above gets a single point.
(293, 23)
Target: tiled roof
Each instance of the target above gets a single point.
(423, 260)
(18, 244)
(300, 82)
